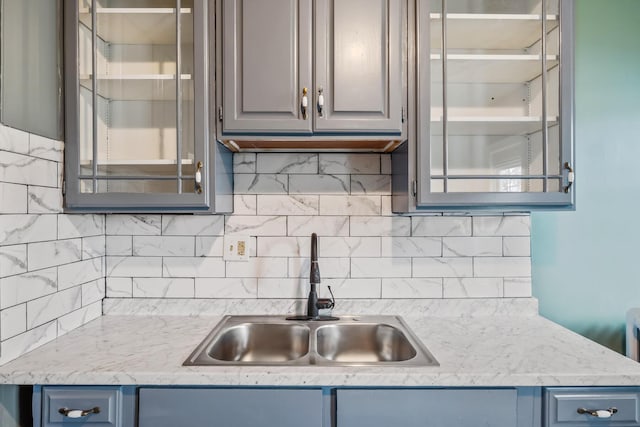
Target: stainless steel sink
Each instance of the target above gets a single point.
(275, 341)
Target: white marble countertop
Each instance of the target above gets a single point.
(481, 350)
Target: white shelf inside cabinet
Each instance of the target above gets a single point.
(490, 31)
(147, 162)
(479, 68)
(137, 87)
(138, 25)
(490, 126)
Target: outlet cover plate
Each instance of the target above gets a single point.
(236, 248)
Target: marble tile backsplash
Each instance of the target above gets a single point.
(365, 251)
(55, 269)
(51, 264)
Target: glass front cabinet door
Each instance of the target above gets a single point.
(137, 130)
(493, 113)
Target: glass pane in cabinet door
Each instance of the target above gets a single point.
(187, 92)
(494, 83)
(86, 99)
(437, 96)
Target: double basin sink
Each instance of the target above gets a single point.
(276, 341)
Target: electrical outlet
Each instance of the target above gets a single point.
(236, 248)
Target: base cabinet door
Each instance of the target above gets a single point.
(426, 408)
(193, 407)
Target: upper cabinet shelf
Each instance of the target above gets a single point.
(490, 31)
(137, 25)
(503, 68)
(137, 87)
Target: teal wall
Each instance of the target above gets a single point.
(586, 264)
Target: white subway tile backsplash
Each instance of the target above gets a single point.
(411, 288)
(516, 246)
(20, 169)
(227, 288)
(319, 184)
(192, 267)
(142, 225)
(93, 247)
(442, 267)
(245, 204)
(13, 140)
(50, 307)
(79, 317)
(502, 267)
(436, 226)
(70, 226)
(258, 267)
(282, 288)
(360, 247)
(244, 163)
(119, 266)
(329, 267)
(13, 321)
(209, 246)
(28, 286)
(13, 260)
(321, 225)
(411, 246)
(380, 267)
(192, 225)
(93, 291)
(515, 225)
(45, 200)
(46, 148)
(287, 205)
(257, 225)
(13, 198)
(119, 287)
(516, 287)
(471, 246)
(380, 226)
(163, 288)
(351, 288)
(260, 184)
(119, 245)
(164, 246)
(371, 184)
(283, 246)
(347, 163)
(57, 252)
(16, 229)
(287, 163)
(24, 343)
(350, 205)
(77, 273)
(461, 287)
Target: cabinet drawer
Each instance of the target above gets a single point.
(563, 404)
(77, 398)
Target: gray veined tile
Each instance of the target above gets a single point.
(412, 288)
(321, 225)
(257, 225)
(145, 225)
(13, 260)
(371, 184)
(15, 229)
(244, 163)
(350, 205)
(436, 226)
(27, 341)
(46, 148)
(21, 169)
(164, 246)
(50, 307)
(319, 184)
(70, 226)
(347, 163)
(163, 288)
(512, 225)
(49, 254)
(14, 140)
(287, 163)
(260, 184)
(27, 286)
(44, 200)
(190, 225)
(227, 288)
(287, 205)
(13, 198)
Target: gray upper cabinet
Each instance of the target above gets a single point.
(312, 74)
(492, 120)
(137, 109)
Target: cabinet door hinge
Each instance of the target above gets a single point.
(414, 188)
(64, 187)
(219, 114)
(404, 115)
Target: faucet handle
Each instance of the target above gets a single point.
(327, 303)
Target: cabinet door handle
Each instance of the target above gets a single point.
(78, 413)
(571, 176)
(198, 178)
(304, 104)
(320, 101)
(598, 413)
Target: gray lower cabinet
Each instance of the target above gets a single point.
(508, 407)
(324, 69)
(95, 406)
(582, 407)
(201, 407)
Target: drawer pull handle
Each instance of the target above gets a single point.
(78, 413)
(598, 413)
